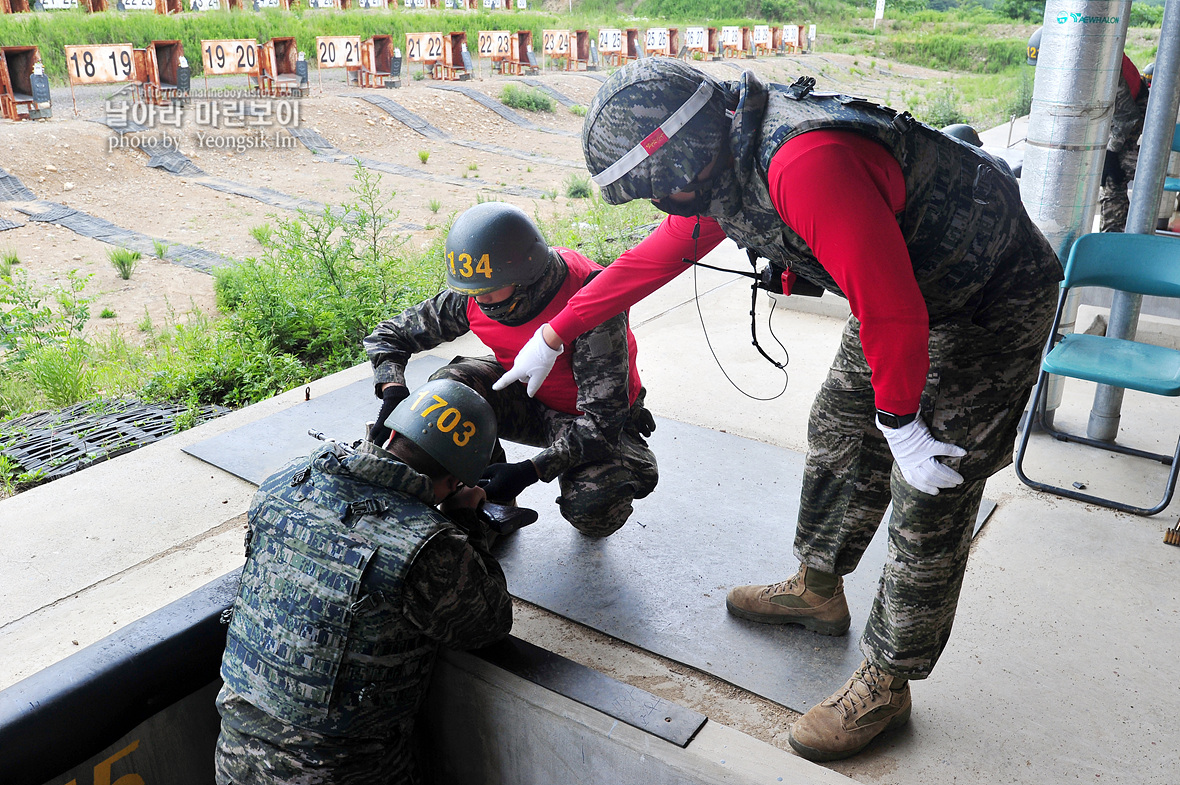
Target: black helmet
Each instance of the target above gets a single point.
(964, 132)
(651, 128)
(1148, 71)
(491, 246)
(1034, 46)
(452, 423)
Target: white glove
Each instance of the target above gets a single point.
(533, 363)
(915, 451)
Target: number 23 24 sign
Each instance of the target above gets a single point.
(100, 64)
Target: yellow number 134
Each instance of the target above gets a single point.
(483, 266)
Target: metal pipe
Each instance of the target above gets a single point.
(1150, 171)
(1078, 67)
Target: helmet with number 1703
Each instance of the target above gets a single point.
(491, 246)
(452, 423)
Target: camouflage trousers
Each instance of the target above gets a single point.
(595, 496)
(1114, 201)
(982, 367)
(257, 749)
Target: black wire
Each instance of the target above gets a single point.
(704, 330)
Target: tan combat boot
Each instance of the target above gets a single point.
(869, 704)
(809, 597)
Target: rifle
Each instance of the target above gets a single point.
(503, 519)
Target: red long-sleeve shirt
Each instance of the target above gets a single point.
(840, 192)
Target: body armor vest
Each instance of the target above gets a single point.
(963, 208)
(317, 638)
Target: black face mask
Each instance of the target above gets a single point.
(500, 311)
(702, 196)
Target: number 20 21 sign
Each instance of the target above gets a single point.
(100, 64)
(338, 51)
(233, 56)
(424, 47)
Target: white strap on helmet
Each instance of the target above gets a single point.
(657, 138)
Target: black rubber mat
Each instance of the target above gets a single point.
(64, 441)
(597, 77)
(254, 451)
(100, 229)
(325, 150)
(6, 224)
(561, 98)
(13, 190)
(417, 123)
(723, 515)
(499, 108)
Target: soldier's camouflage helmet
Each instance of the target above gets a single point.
(964, 132)
(452, 423)
(491, 246)
(1034, 46)
(651, 128)
(1148, 72)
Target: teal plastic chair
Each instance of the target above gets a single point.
(1137, 263)
(1173, 183)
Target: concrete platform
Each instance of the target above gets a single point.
(1061, 668)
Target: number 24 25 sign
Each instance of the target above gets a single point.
(101, 64)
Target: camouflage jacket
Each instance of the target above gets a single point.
(1126, 125)
(352, 581)
(599, 359)
(963, 211)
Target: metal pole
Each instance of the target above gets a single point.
(1150, 171)
(1078, 67)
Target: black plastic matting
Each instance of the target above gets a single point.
(499, 108)
(255, 451)
(560, 97)
(6, 224)
(326, 151)
(104, 231)
(13, 190)
(723, 515)
(417, 123)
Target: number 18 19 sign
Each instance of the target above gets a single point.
(101, 64)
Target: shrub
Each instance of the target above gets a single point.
(578, 187)
(578, 110)
(423, 155)
(943, 110)
(434, 205)
(261, 233)
(124, 261)
(527, 98)
(107, 313)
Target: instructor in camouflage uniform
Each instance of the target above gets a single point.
(952, 291)
(353, 580)
(504, 282)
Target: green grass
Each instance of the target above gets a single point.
(435, 205)
(527, 98)
(124, 261)
(160, 248)
(423, 155)
(107, 313)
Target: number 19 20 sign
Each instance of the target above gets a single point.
(233, 56)
(100, 64)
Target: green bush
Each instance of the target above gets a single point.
(124, 261)
(942, 110)
(578, 187)
(527, 98)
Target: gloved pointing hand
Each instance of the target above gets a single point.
(391, 396)
(505, 481)
(533, 363)
(916, 452)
